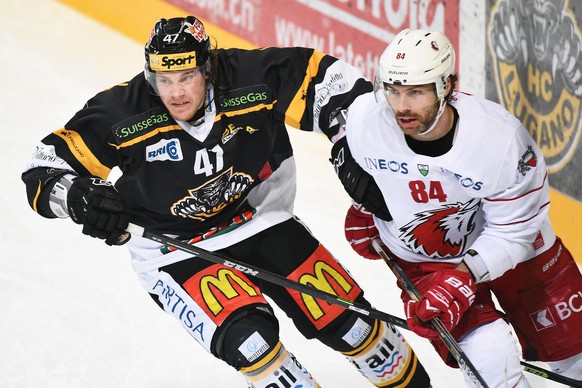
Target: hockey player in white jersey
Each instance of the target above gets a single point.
(462, 205)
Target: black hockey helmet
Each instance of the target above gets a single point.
(177, 44)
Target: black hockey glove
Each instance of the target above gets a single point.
(359, 185)
(97, 205)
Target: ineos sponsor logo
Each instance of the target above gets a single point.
(468, 182)
(384, 164)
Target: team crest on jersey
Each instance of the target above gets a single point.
(423, 169)
(441, 232)
(210, 198)
(535, 49)
(527, 161)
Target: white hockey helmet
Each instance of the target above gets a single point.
(418, 57)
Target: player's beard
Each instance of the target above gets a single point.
(423, 121)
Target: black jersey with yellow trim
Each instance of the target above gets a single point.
(172, 182)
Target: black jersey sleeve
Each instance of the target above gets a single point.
(86, 145)
(88, 140)
(309, 87)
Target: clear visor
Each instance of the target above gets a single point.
(411, 105)
(403, 98)
(164, 83)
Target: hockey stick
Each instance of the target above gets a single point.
(546, 374)
(267, 276)
(448, 338)
(314, 292)
(464, 363)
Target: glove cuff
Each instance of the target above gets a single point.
(477, 266)
(360, 208)
(58, 195)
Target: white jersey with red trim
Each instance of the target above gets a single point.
(489, 192)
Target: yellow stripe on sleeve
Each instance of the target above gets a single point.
(297, 106)
(244, 111)
(35, 201)
(82, 153)
(139, 139)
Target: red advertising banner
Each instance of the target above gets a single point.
(356, 31)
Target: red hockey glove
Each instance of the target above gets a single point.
(423, 329)
(450, 293)
(360, 231)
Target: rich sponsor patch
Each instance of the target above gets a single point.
(165, 149)
(141, 124)
(532, 46)
(243, 98)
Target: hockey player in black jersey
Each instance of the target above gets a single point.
(200, 138)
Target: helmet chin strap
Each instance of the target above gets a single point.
(436, 118)
(200, 114)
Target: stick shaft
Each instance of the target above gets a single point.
(452, 345)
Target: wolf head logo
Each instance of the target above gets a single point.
(441, 232)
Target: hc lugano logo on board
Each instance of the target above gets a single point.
(536, 49)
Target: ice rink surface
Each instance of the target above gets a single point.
(73, 314)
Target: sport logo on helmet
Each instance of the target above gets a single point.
(434, 45)
(196, 30)
(172, 62)
(441, 232)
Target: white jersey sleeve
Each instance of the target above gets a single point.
(489, 192)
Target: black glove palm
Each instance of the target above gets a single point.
(96, 204)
